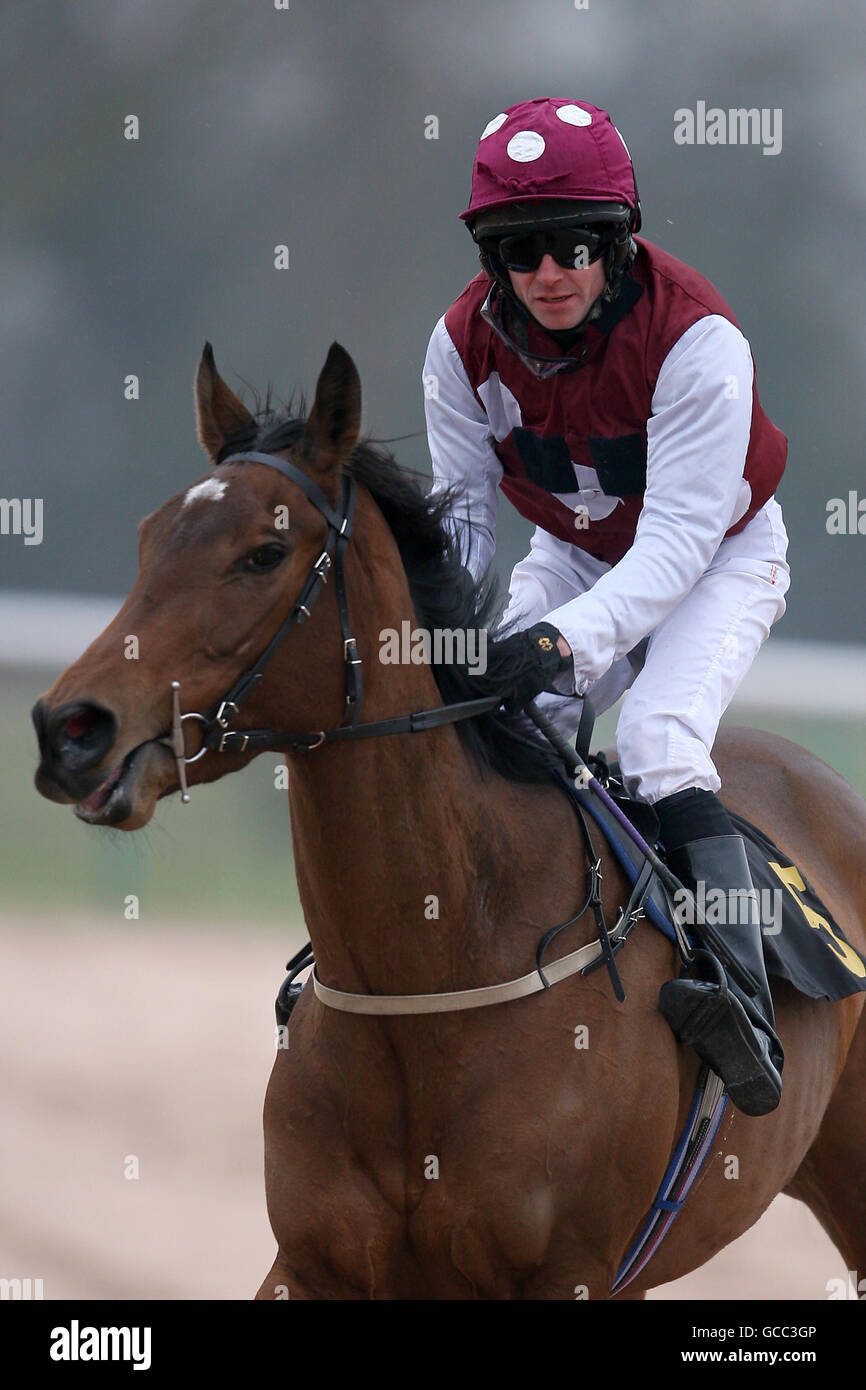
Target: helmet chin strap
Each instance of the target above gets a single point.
(618, 257)
(541, 367)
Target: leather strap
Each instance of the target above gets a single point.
(391, 1004)
(585, 728)
(416, 723)
(304, 481)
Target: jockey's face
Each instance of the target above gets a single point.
(559, 298)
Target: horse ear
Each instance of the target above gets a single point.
(219, 414)
(332, 430)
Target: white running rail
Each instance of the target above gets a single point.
(50, 630)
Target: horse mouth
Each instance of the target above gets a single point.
(114, 800)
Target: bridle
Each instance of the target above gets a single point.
(217, 735)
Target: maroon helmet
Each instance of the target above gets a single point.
(541, 166)
(552, 150)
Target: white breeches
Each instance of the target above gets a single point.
(683, 676)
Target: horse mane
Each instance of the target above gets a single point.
(443, 593)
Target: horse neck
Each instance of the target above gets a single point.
(403, 849)
(389, 857)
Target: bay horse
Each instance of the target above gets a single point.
(475, 1154)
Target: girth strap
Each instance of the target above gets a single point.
(464, 998)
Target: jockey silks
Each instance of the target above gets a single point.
(587, 428)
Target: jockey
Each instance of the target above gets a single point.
(606, 388)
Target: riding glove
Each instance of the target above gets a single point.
(539, 661)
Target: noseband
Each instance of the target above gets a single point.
(217, 735)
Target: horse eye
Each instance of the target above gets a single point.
(264, 557)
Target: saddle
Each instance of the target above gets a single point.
(802, 941)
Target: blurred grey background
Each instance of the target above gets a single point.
(306, 126)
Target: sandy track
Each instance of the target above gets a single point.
(124, 1039)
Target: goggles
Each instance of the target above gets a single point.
(573, 248)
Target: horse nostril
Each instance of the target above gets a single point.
(77, 725)
(79, 735)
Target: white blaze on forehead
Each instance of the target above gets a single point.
(211, 490)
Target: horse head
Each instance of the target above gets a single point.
(220, 566)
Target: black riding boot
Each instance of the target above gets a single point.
(731, 1031)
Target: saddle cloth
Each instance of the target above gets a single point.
(802, 942)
